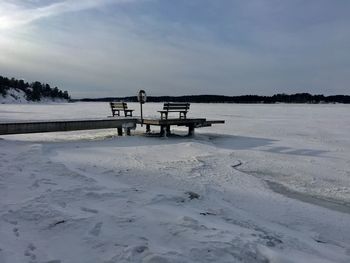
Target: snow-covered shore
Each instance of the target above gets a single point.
(17, 96)
(246, 191)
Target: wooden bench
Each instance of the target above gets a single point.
(181, 108)
(117, 107)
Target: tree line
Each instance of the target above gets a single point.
(34, 91)
(277, 98)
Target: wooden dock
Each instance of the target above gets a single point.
(120, 123)
(68, 125)
(165, 124)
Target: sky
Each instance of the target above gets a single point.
(102, 48)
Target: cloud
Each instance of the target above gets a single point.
(16, 14)
(172, 47)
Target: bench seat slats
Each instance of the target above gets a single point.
(176, 104)
(181, 108)
(175, 108)
(117, 107)
(172, 111)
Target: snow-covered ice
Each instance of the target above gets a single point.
(270, 185)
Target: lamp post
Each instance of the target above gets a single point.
(141, 97)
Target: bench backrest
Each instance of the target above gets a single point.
(119, 105)
(176, 106)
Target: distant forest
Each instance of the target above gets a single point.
(34, 91)
(278, 98)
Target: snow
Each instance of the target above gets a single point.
(17, 96)
(271, 185)
(13, 96)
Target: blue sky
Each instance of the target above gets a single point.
(173, 47)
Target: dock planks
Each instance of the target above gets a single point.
(165, 124)
(22, 127)
(66, 125)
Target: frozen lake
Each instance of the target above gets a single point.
(273, 185)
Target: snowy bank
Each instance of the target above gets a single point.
(16, 96)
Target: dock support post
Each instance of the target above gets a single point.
(120, 131)
(128, 131)
(168, 132)
(190, 130)
(162, 131)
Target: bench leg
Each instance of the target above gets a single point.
(148, 128)
(163, 115)
(120, 131)
(128, 131)
(190, 130)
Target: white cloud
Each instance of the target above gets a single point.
(14, 13)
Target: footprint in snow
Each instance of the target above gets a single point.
(7, 220)
(39, 182)
(95, 231)
(16, 232)
(89, 210)
(29, 252)
(192, 195)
